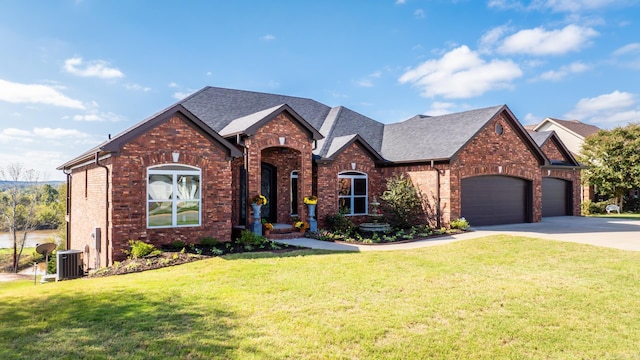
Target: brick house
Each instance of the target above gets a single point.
(188, 172)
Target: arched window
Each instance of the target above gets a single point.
(294, 192)
(353, 189)
(173, 196)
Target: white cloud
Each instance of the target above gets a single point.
(179, 95)
(35, 94)
(562, 72)
(580, 5)
(368, 80)
(419, 14)
(401, 2)
(616, 108)
(538, 41)
(531, 119)
(58, 133)
(572, 6)
(94, 115)
(461, 73)
(492, 37)
(173, 85)
(10, 135)
(268, 37)
(95, 68)
(137, 87)
(441, 108)
(628, 49)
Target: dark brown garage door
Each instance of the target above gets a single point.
(493, 200)
(555, 197)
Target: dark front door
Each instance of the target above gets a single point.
(268, 188)
(493, 200)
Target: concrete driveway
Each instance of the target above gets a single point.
(607, 232)
(615, 233)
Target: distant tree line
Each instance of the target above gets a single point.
(27, 205)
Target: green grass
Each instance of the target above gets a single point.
(26, 260)
(619, 216)
(491, 298)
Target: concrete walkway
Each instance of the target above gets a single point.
(606, 232)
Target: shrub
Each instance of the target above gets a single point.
(250, 240)
(209, 241)
(461, 224)
(140, 249)
(590, 208)
(178, 244)
(403, 203)
(338, 222)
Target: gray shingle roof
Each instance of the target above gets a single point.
(433, 138)
(217, 107)
(540, 136)
(346, 122)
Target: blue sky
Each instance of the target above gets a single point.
(74, 71)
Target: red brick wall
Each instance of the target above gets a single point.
(489, 152)
(88, 202)
(294, 154)
(327, 180)
(551, 149)
(573, 176)
(427, 180)
(128, 190)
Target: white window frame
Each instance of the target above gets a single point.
(352, 175)
(174, 170)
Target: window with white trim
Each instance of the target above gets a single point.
(353, 193)
(173, 196)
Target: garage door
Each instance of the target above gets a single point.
(555, 197)
(493, 200)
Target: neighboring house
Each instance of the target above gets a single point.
(188, 171)
(572, 133)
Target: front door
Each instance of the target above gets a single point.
(268, 188)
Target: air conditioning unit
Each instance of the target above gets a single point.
(69, 264)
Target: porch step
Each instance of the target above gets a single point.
(284, 231)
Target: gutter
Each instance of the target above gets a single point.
(438, 214)
(68, 215)
(106, 209)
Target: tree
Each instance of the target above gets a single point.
(402, 202)
(613, 157)
(18, 206)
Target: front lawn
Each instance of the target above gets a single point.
(630, 216)
(495, 297)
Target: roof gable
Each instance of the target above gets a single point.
(575, 127)
(339, 144)
(249, 124)
(550, 138)
(114, 144)
(422, 138)
(217, 107)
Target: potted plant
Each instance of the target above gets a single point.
(302, 226)
(266, 227)
(259, 200)
(311, 200)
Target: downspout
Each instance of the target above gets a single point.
(245, 164)
(106, 209)
(438, 214)
(68, 217)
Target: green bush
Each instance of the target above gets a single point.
(250, 240)
(591, 208)
(140, 249)
(402, 202)
(209, 241)
(338, 222)
(461, 224)
(178, 244)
